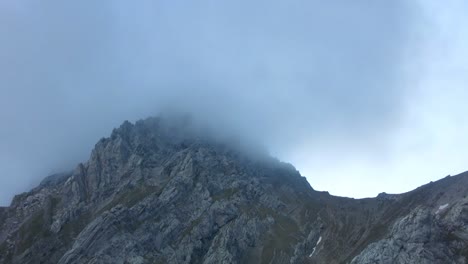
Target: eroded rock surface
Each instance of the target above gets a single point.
(160, 192)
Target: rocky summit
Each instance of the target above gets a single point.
(158, 191)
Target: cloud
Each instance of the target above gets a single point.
(324, 75)
(429, 140)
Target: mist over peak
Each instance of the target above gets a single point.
(335, 88)
(365, 99)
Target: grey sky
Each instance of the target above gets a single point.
(345, 90)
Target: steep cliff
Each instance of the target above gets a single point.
(159, 191)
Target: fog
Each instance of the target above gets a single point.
(361, 96)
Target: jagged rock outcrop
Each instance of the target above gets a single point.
(160, 191)
(435, 231)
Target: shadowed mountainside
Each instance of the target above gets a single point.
(159, 191)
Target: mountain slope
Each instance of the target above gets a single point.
(159, 191)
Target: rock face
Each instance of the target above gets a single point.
(434, 231)
(159, 192)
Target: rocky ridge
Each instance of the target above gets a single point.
(158, 191)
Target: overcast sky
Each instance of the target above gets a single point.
(361, 96)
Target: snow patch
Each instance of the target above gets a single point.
(313, 250)
(442, 207)
(69, 180)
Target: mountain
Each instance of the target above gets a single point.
(160, 191)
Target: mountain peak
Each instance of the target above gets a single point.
(164, 191)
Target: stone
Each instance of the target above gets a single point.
(160, 191)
